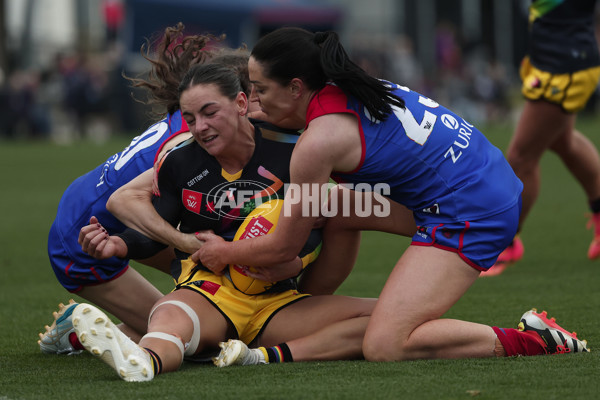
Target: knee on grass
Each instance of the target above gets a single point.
(381, 349)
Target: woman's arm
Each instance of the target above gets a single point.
(132, 205)
(331, 142)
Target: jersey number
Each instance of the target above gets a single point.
(417, 132)
(146, 139)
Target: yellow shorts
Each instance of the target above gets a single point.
(248, 313)
(571, 90)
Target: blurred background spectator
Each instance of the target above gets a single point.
(61, 61)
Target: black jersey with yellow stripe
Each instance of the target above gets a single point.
(561, 35)
(197, 194)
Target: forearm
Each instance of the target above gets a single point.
(262, 251)
(281, 246)
(132, 205)
(138, 245)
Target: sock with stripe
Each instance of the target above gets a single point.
(156, 361)
(277, 354)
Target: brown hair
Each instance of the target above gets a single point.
(175, 54)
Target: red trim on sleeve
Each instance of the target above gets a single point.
(332, 100)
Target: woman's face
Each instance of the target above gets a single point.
(213, 119)
(275, 101)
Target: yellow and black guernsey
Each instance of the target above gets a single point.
(563, 64)
(562, 37)
(197, 194)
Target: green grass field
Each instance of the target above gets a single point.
(554, 275)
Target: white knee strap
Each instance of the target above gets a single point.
(192, 345)
(168, 337)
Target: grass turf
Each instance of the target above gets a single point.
(554, 275)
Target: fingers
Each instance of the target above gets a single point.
(200, 258)
(92, 238)
(196, 257)
(89, 229)
(87, 233)
(258, 273)
(155, 190)
(97, 244)
(205, 235)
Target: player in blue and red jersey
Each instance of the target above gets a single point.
(440, 172)
(113, 284)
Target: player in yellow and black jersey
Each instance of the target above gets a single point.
(197, 193)
(559, 75)
(213, 182)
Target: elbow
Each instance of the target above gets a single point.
(111, 203)
(115, 202)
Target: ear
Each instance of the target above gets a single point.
(296, 87)
(242, 103)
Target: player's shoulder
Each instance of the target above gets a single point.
(183, 154)
(274, 134)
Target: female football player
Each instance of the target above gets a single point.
(559, 75)
(199, 184)
(463, 194)
(108, 283)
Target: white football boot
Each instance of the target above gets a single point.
(235, 352)
(102, 338)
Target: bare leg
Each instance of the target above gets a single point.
(341, 240)
(406, 323)
(335, 262)
(544, 126)
(581, 157)
(321, 328)
(173, 320)
(129, 297)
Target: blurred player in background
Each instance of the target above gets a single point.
(559, 75)
(111, 283)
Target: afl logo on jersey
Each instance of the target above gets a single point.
(450, 121)
(236, 199)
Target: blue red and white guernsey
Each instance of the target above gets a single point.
(86, 197)
(435, 163)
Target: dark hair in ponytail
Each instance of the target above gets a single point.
(317, 58)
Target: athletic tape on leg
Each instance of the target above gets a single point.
(192, 345)
(167, 337)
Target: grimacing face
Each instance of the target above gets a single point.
(213, 119)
